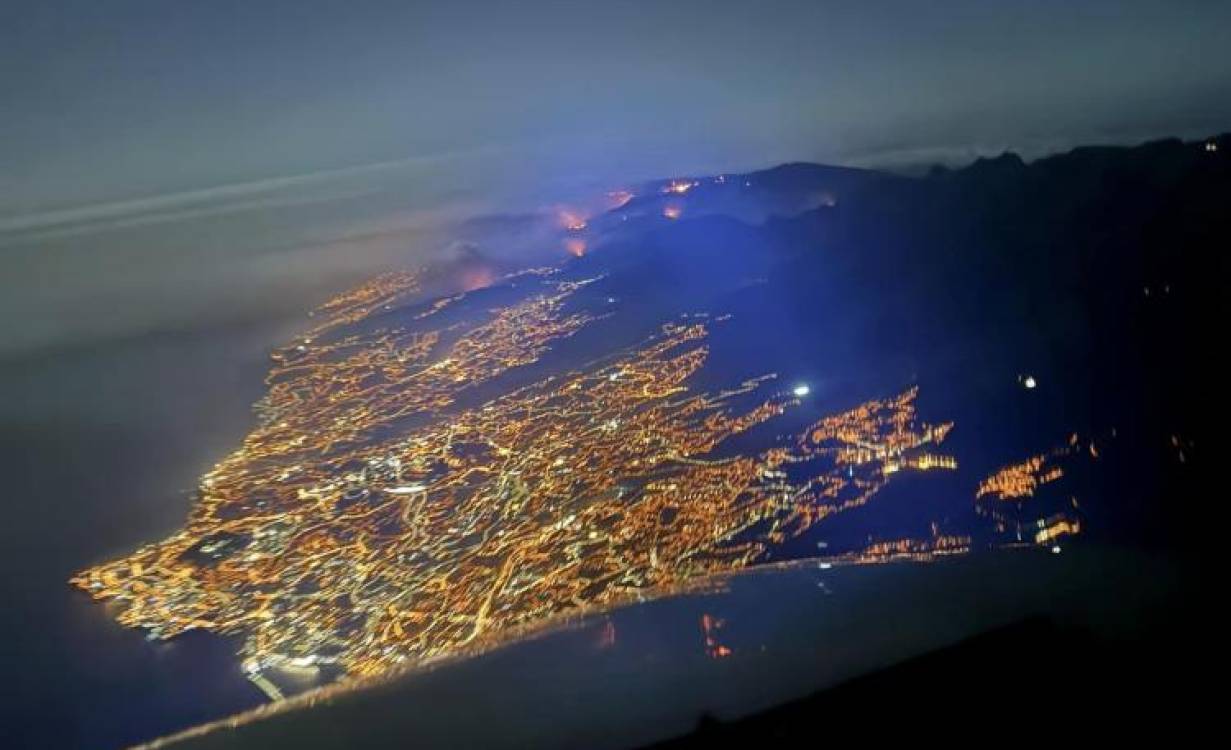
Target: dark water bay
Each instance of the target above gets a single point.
(101, 447)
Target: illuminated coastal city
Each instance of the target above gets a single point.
(382, 514)
(367, 522)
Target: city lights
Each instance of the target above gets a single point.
(334, 536)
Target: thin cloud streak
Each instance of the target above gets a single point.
(217, 200)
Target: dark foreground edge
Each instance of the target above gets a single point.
(1035, 680)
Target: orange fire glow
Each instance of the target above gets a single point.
(477, 278)
(571, 222)
(679, 187)
(576, 246)
(571, 219)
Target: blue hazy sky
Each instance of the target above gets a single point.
(118, 99)
(126, 122)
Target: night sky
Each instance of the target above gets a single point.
(240, 119)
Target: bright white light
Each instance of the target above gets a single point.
(801, 390)
(1055, 550)
(1029, 381)
(408, 489)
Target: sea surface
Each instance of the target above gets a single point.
(99, 451)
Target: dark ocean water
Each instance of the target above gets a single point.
(100, 448)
